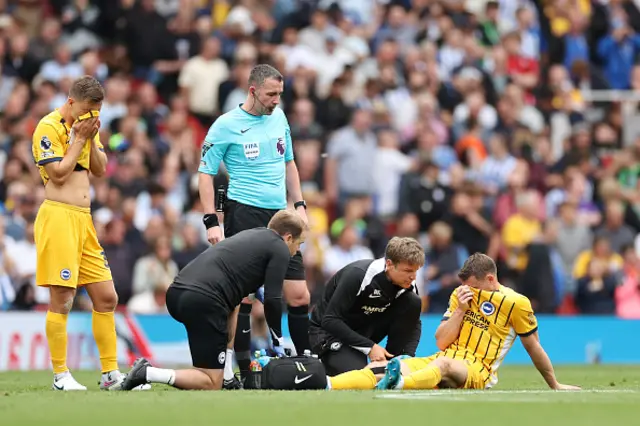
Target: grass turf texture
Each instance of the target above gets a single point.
(611, 396)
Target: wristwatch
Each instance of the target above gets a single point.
(301, 203)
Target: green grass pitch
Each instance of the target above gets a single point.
(611, 397)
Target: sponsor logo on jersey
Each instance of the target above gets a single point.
(487, 308)
(368, 310)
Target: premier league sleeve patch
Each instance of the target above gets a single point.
(205, 148)
(45, 143)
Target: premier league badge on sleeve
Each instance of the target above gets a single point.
(45, 143)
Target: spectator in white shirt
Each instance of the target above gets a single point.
(150, 302)
(201, 77)
(391, 164)
(61, 66)
(347, 250)
(154, 269)
(451, 54)
(498, 166)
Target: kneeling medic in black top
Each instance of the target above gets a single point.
(207, 292)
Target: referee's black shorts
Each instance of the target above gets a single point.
(239, 217)
(206, 323)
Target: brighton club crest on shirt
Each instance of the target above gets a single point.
(280, 146)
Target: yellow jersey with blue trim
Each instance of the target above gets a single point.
(50, 143)
(491, 323)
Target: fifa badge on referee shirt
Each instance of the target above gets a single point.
(251, 150)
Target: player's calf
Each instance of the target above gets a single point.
(143, 372)
(442, 373)
(242, 339)
(298, 298)
(61, 299)
(105, 299)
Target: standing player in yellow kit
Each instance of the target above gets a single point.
(66, 148)
(480, 326)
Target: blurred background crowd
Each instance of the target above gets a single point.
(467, 124)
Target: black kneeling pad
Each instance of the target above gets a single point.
(294, 373)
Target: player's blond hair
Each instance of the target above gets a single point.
(87, 88)
(477, 265)
(287, 222)
(404, 249)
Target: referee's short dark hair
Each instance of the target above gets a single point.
(287, 222)
(478, 265)
(404, 249)
(263, 72)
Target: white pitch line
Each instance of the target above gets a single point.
(488, 394)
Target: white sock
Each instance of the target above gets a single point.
(61, 375)
(328, 383)
(228, 365)
(400, 384)
(114, 375)
(161, 375)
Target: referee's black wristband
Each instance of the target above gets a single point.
(210, 220)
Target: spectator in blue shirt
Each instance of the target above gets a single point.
(618, 50)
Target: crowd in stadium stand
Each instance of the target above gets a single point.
(462, 123)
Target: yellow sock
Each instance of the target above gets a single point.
(427, 378)
(56, 329)
(356, 380)
(104, 332)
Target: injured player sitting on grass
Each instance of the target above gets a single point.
(477, 331)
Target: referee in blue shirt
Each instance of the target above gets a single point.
(254, 141)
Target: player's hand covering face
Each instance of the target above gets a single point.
(80, 108)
